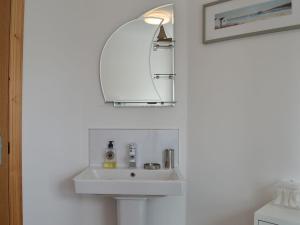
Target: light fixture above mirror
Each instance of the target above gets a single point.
(164, 13)
(154, 20)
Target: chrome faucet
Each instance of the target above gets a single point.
(132, 155)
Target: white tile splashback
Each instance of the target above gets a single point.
(150, 145)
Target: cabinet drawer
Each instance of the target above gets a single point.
(260, 222)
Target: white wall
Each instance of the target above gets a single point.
(243, 118)
(62, 99)
(244, 122)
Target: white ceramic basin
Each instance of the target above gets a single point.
(129, 182)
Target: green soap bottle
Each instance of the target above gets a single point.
(110, 157)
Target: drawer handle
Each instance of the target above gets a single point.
(261, 222)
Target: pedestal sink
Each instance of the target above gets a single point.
(131, 188)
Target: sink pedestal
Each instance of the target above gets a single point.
(131, 211)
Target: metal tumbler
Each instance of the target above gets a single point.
(169, 158)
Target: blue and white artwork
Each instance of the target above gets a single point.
(252, 13)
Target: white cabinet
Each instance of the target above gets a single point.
(275, 215)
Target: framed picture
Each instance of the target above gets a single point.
(230, 19)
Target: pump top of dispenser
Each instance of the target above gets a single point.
(110, 144)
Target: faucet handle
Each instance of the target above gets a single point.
(132, 149)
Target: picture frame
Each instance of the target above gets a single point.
(233, 19)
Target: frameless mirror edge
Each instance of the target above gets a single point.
(142, 103)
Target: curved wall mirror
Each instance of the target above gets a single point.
(137, 61)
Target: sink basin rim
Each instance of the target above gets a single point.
(172, 185)
(172, 172)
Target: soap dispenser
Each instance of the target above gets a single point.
(110, 158)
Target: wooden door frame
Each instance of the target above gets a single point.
(15, 112)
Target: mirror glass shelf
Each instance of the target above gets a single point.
(137, 61)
